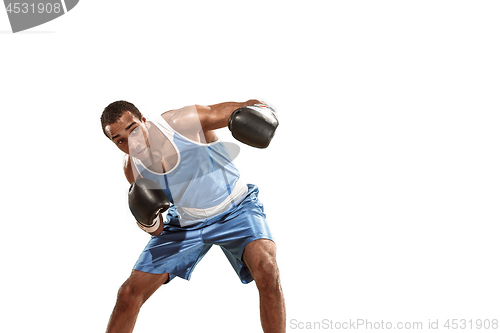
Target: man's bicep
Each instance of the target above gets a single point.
(216, 116)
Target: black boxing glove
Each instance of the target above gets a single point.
(147, 201)
(253, 125)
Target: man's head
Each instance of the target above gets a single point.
(124, 124)
(114, 111)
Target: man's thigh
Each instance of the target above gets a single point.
(175, 251)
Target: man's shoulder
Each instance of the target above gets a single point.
(186, 120)
(180, 116)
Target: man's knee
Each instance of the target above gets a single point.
(261, 260)
(129, 295)
(266, 275)
(139, 287)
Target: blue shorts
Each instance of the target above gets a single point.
(177, 250)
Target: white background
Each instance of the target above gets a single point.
(381, 185)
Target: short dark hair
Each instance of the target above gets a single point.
(114, 111)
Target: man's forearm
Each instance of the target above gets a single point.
(217, 115)
(227, 108)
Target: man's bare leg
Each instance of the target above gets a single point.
(131, 296)
(260, 257)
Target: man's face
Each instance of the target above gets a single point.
(130, 135)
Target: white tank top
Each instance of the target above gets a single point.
(203, 183)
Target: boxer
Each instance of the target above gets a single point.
(188, 195)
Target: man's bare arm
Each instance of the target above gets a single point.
(217, 115)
